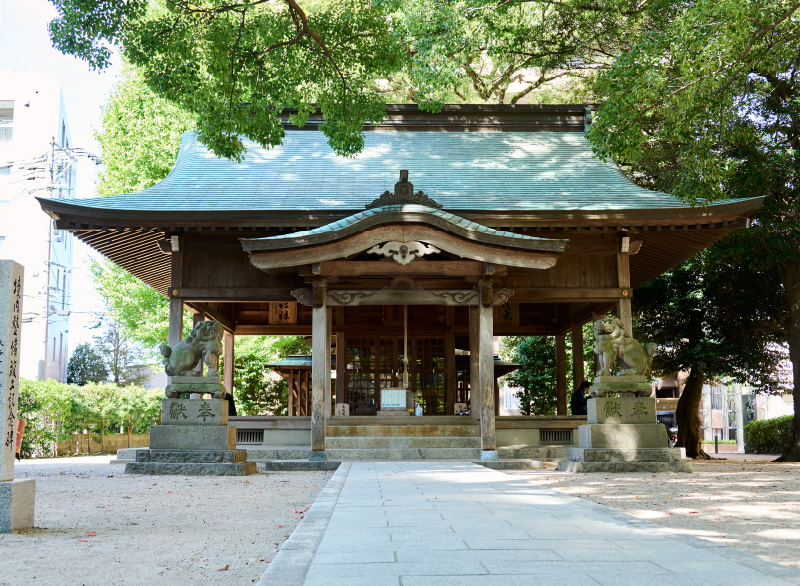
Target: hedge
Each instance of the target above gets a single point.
(769, 436)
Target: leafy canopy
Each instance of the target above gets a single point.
(236, 65)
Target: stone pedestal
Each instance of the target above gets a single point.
(194, 438)
(16, 496)
(623, 436)
(636, 384)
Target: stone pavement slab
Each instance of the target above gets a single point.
(439, 523)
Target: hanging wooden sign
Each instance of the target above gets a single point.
(282, 313)
(507, 314)
(393, 314)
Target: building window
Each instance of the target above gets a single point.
(6, 121)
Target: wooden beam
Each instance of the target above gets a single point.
(587, 294)
(561, 374)
(232, 294)
(438, 268)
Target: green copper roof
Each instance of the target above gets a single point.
(491, 171)
(398, 214)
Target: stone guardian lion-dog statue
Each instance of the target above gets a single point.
(612, 344)
(203, 343)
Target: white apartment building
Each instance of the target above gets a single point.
(36, 161)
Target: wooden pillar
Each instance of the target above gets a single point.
(227, 375)
(175, 320)
(561, 374)
(196, 319)
(578, 374)
(624, 303)
(450, 378)
(328, 397)
(341, 357)
(474, 363)
(320, 370)
(486, 360)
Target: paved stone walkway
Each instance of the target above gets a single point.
(442, 523)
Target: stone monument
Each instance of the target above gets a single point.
(194, 437)
(17, 497)
(623, 433)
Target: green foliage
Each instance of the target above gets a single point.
(140, 136)
(256, 390)
(769, 436)
(235, 65)
(45, 405)
(537, 375)
(55, 410)
(86, 365)
(119, 355)
(701, 316)
(141, 312)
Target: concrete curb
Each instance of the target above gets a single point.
(290, 566)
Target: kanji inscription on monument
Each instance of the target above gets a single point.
(10, 326)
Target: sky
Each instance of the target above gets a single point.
(25, 47)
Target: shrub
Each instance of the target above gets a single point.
(769, 436)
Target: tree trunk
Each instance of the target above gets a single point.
(790, 275)
(687, 415)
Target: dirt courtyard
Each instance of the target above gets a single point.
(749, 503)
(95, 525)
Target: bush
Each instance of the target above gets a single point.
(769, 436)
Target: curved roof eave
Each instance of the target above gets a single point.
(78, 211)
(402, 214)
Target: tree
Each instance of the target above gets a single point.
(256, 392)
(237, 64)
(705, 106)
(140, 136)
(86, 365)
(119, 355)
(708, 321)
(138, 408)
(537, 374)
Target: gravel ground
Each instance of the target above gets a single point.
(748, 503)
(96, 525)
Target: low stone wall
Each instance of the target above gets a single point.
(538, 430)
(265, 432)
(79, 443)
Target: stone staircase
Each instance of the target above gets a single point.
(404, 438)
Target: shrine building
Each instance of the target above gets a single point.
(447, 230)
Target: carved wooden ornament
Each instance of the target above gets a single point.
(403, 252)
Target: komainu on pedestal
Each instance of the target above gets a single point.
(194, 437)
(622, 433)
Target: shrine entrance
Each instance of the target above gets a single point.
(376, 362)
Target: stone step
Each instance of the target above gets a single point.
(544, 453)
(403, 431)
(191, 469)
(626, 455)
(193, 456)
(277, 453)
(404, 454)
(401, 442)
(295, 465)
(518, 465)
(680, 466)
